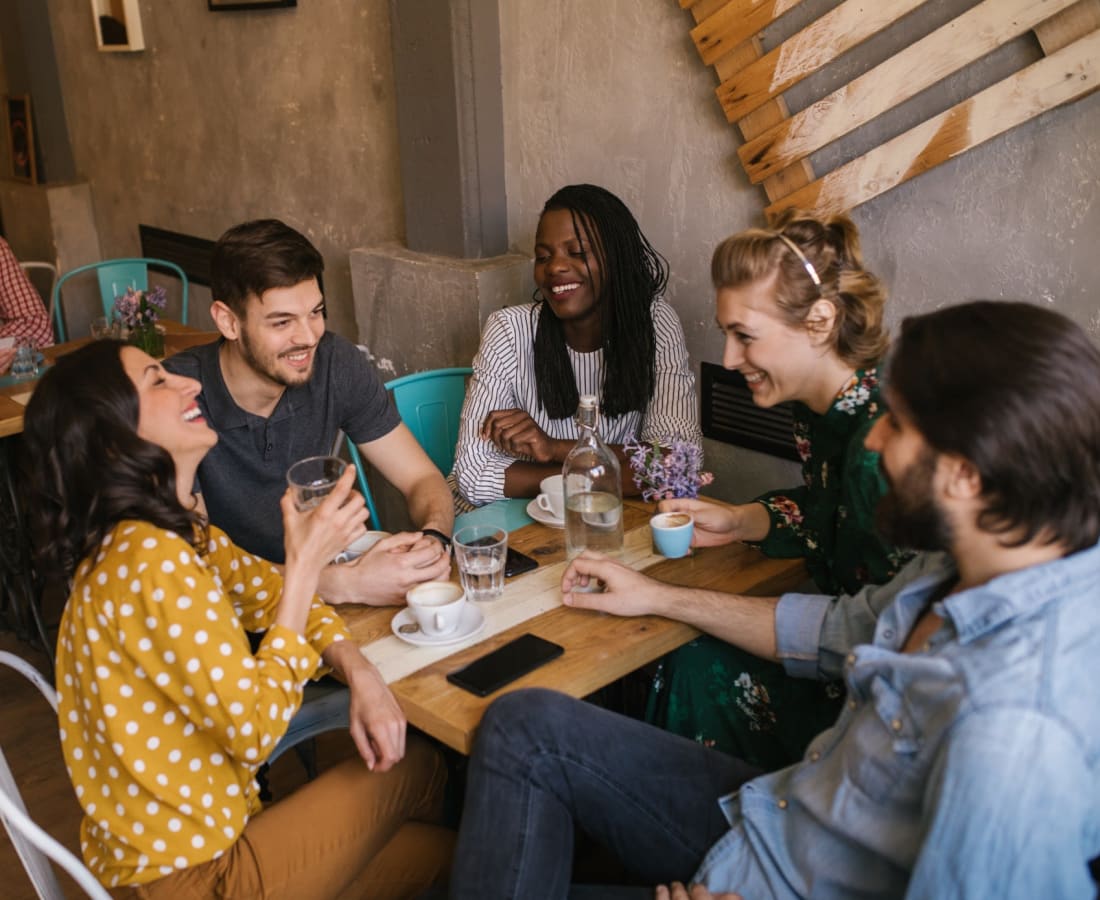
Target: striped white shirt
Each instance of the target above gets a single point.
(504, 378)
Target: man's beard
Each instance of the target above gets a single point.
(266, 366)
(907, 515)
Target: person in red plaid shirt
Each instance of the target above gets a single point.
(22, 314)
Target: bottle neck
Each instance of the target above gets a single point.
(588, 418)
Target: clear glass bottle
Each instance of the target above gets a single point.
(593, 489)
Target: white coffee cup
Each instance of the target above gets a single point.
(552, 498)
(437, 606)
(359, 546)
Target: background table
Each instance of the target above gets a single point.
(599, 648)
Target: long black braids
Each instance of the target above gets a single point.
(633, 276)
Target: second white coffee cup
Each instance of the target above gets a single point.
(552, 498)
(437, 606)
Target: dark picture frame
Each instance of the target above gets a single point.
(17, 109)
(230, 5)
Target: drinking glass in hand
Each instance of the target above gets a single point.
(313, 478)
(480, 551)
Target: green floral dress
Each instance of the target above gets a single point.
(746, 706)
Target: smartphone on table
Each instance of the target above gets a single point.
(516, 563)
(504, 665)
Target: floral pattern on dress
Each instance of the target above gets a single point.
(754, 701)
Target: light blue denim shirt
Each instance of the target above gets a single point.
(971, 769)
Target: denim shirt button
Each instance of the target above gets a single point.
(888, 633)
(782, 804)
(815, 756)
(896, 724)
(851, 704)
(851, 659)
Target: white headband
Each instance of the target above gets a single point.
(806, 264)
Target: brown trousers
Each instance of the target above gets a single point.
(350, 833)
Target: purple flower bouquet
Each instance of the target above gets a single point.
(667, 469)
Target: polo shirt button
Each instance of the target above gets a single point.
(782, 804)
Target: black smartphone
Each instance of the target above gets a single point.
(505, 664)
(516, 563)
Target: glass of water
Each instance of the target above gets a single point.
(480, 552)
(313, 478)
(24, 364)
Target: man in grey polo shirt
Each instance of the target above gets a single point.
(276, 388)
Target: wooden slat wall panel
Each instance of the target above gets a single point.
(1066, 27)
(802, 54)
(734, 24)
(777, 147)
(1059, 78)
(977, 32)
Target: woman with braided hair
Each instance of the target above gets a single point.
(802, 322)
(598, 326)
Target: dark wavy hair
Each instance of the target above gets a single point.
(633, 275)
(1015, 389)
(87, 467)
(256, 256)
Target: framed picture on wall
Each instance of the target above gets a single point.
(21, 137)
(117, 26)
(223, 5)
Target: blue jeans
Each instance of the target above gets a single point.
(544, 761)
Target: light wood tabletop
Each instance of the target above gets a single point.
(599, 648)
(14, 397)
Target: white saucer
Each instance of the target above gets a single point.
(471, 623)
(541, 516)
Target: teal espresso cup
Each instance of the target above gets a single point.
(672, 533)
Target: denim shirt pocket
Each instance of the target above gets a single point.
(888, 766)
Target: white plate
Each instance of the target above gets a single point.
(541, 516)
(471, 623)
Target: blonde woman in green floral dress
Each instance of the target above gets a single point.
(802, 321)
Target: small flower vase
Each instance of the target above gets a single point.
(149, 338)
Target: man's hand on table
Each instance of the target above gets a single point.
(626, 592)
(677, 891)
(385, 573)
(376, 722)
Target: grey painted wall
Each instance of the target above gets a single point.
(614, 93)
(234, 115)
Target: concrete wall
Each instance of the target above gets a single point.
(614, 93)
(235, 115)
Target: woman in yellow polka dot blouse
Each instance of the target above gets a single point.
(165, 711)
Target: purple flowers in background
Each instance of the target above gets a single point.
(140, 308)
(663, 470)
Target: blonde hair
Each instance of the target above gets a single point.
(829, 249)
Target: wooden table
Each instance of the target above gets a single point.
(14, 397)
(599, 648)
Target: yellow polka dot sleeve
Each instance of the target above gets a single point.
(165, 712)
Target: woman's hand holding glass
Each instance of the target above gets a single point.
(716, 524)
(313, 537)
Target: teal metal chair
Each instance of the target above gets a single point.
(430, 404)
(115, 276)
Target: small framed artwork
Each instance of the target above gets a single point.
(226, 5)
(21, 137)
(117, 26)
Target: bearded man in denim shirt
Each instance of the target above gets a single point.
(966, 762)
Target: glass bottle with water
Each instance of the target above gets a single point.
(593, 491)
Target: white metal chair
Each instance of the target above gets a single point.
(33, 845)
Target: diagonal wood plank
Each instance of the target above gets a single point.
(961, 41)
(1069, 25)
(802, 54)
(1059, 78)
(734, 24)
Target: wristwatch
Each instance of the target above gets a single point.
(438, 535)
